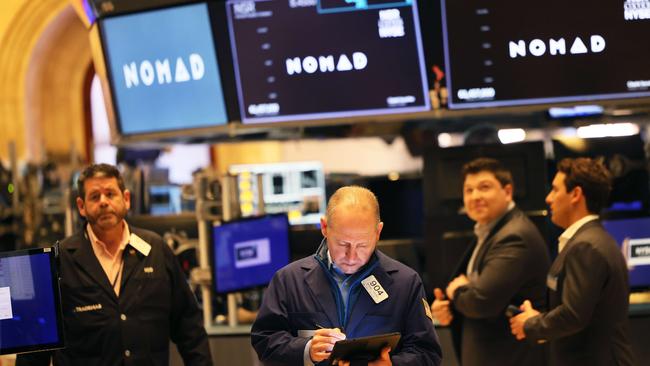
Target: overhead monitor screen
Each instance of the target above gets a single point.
(248, 252)
(163, 70)
(633, 235)
(501, 53)
(314, 59)
(297, 189)
(30, 301)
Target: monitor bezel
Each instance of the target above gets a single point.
(213, 245)
(118, 136)
(331, 117)
(538, 103)
(622, 217)
(52, 253)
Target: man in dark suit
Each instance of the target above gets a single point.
(587, 322)
(507, 264)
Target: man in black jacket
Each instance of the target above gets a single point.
(124, 296)
(587, 322)
(507, 264)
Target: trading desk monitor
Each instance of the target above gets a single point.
(30, 301)
(316, 59)
(163, 70)
(633, 235)
(500, 53)
(247, 253)
(295, 188)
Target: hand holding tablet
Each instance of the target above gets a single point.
(364, 348)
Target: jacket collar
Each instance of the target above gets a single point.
(316, 277)
(82, 253)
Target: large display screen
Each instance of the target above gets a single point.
(308, 59)
(501, 53)
(30, 302)
(248, 252)
(633, 235)
(163, 70)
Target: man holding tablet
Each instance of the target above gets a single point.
(348, 289)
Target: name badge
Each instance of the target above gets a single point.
(374, 289)
(551, 282)
(140, 245)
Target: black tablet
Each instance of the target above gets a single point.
(364, 348)
(30, 301)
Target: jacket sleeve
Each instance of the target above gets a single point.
(187, 330)
(504, 270)
(271, 334)
(585, 275)
(419, 342)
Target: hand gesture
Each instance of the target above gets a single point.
(440, 308)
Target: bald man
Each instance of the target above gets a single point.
(348, 289)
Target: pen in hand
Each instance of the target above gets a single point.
(318, 326)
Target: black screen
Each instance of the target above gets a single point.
(501, 53)
(308, 59)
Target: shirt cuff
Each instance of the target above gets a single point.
(305, 355)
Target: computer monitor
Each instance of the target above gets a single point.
(317, 59)
(295, 188)
(30, 301)
(163, 70)
(501, 53)
(633, 236)
(246, 253)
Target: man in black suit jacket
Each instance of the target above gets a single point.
(587, 323)
(124, 296)
(508, 264)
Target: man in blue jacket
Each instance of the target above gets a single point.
(348, 289)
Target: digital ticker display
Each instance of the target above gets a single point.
(500, 53)
(308, 59)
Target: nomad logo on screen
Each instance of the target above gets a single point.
(160, 71)
(252, 253)
(538, 47)
(164, 70)
(311, 64)
(299, 60)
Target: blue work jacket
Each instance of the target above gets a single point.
(303, 296)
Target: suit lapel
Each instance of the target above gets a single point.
(86, 260)
(132, 260)
(489, 240)
(322, 294)
(461, 267)
(558, 263)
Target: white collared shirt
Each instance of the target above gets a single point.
(571, 231)
(111, 263)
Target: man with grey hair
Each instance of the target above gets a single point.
(316, 301)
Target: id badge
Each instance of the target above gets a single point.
(374, 289)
